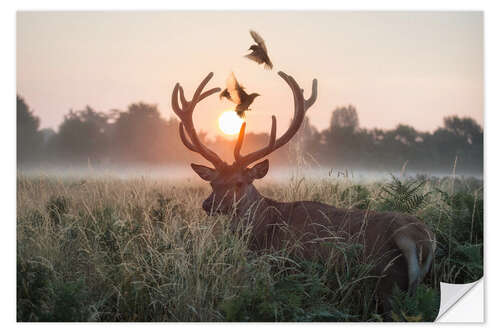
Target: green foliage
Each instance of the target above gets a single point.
(358, 194)
(293, 297)
(470, 257)
(33, 290)
(159, 213)
(423, 306)
(164, 208)
(69, 302)
(460, 236)
(465, 213)
(33, 219)
(57, 206)
(41, 296)
(404, 197)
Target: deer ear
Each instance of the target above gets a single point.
(259, 170)
(204, 172)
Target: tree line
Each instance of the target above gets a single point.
(139, 135)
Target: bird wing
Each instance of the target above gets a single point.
(256, 37)
(255, 58)
(233, 88)
(269, 64)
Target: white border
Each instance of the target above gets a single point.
(7, 200)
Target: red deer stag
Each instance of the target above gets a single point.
(402, 244)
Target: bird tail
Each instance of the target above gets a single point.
(240, 113)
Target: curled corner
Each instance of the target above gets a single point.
(461, 302)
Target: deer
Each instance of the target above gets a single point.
(403, 245)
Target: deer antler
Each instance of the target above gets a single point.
(301, 106)
(186, 115)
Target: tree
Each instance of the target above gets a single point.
(28, 137)
(345, 117)
(399, 146)
(460, 138)
(341, 139)
(141, 135)
(83, 135)
(465, 128)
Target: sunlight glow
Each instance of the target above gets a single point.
(230, 123)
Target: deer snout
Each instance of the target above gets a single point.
(207, 205)
(211, 206)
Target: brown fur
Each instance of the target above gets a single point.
(387, 237)
(313, 223)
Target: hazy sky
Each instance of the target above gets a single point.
(395, 67)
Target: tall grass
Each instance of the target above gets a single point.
(143, 250)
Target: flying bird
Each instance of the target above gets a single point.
(236, 94)
(225, 94)
(259, 51)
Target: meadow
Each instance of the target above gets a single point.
(142, 249)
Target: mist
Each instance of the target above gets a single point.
(138, 141)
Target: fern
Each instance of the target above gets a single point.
(404, 197)
(423, 306)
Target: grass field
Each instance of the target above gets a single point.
(144, 250)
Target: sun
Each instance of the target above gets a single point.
(230, 123)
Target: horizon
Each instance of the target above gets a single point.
(428, 64)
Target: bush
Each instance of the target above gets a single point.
(33, 290)
(423, 306)
(41, 296)
(300, 296)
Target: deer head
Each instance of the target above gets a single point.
(232, 185)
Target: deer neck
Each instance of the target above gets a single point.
(247, 206)
(256, 206)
